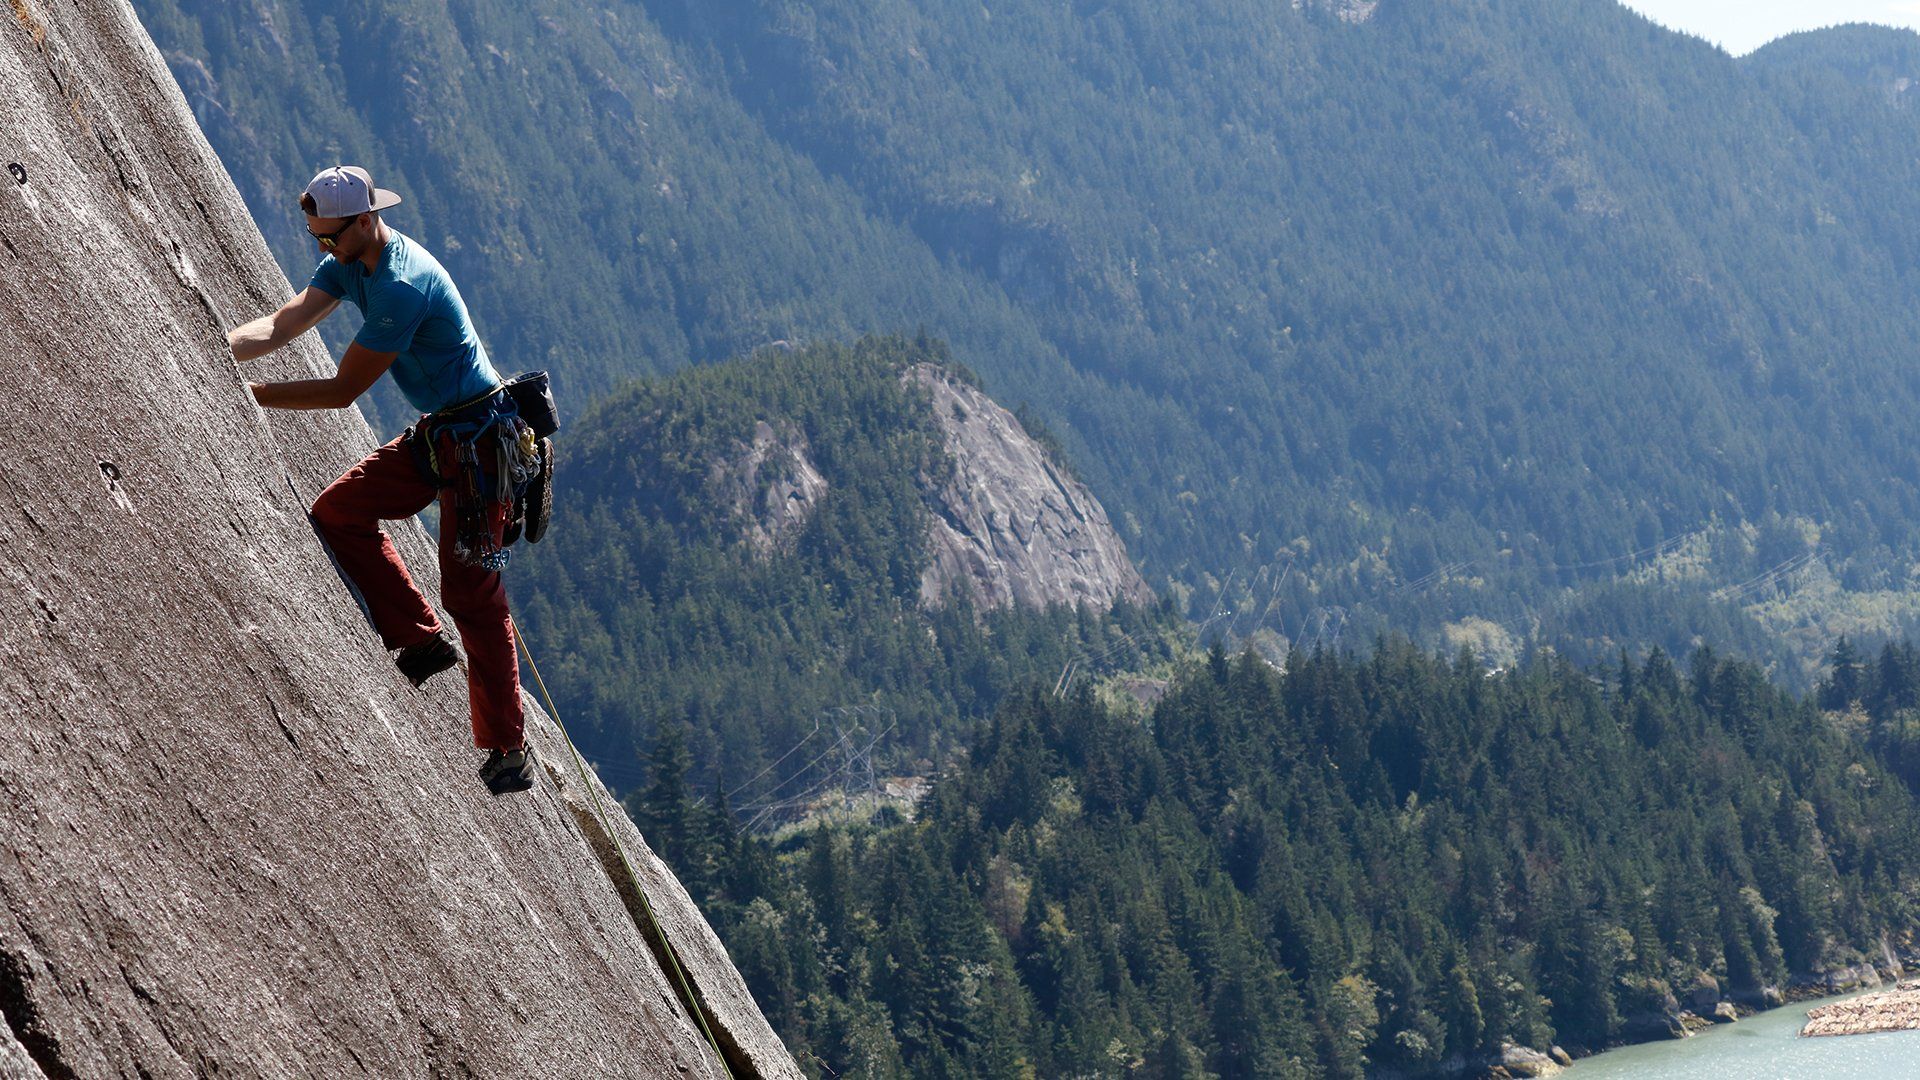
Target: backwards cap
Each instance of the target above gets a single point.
(346, 191)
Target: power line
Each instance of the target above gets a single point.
(1431, 576)
(1274, 597)
(776, 761)
(1072, 668)
(852, 765)
(1662, 547)
(1769, 577)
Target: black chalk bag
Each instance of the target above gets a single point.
(533, 396)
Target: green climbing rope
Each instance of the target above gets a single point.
(685, 988)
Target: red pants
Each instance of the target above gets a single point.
(388, 487)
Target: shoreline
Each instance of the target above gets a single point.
(1763, 1046)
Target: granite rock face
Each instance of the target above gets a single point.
(232, 839)
(1009, 527)
(772, 485)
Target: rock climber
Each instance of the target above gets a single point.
(416, 327)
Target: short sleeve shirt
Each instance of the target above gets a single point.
(413, 309)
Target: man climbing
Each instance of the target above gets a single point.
(416, 327)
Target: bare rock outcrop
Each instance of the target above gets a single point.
(772, 485)
(1840, 979)
(1526, 1061)
(1009, 527)
(232, 839)
(1348, 11)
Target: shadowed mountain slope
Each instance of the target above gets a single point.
(1451, 315)
(232, 839)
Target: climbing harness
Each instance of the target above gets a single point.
(487, 450)
(485, 455)
(681, 985)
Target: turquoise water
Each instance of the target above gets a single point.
(1765, 1046)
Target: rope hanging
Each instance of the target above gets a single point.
(681, 984)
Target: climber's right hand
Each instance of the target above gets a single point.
(269, 332)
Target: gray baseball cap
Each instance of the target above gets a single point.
(346, 191)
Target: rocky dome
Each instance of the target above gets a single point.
(232, 839)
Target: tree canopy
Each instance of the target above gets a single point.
(1360, 863)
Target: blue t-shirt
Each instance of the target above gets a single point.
(413, 309)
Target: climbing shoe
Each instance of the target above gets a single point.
(427, 659)
(539, 499)
(508, 771)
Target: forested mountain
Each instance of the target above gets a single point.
(1443, 316)
(741, 556)
(1549, 283)
(1357, 865)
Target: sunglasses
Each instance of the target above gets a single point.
(328, 240)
